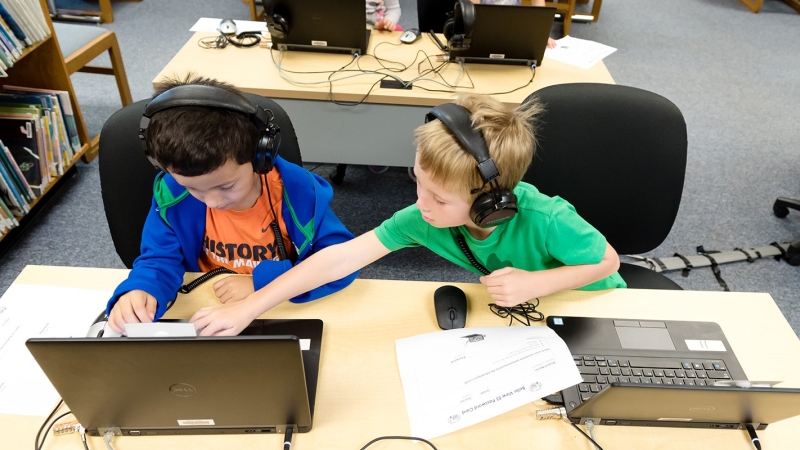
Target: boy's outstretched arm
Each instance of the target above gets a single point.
(329, 264)
(510, 287)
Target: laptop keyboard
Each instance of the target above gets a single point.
(599, 371)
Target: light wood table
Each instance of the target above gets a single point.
(379, 131)
(360, 397)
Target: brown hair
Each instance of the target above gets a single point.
(196, 140)
(509, 135)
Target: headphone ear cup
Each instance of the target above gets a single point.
(281, 26)
(448, 29)
(269, 142)
(492, 209)
(277, 26)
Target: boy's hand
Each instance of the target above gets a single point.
(132, 307)
(223, 320)
(510, 287)
(551, 43)
(234, 288)
(385, 24)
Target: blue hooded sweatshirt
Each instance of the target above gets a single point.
(172, 238)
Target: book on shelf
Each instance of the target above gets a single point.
(65, 107)
(9, 218)
(19, 146)
(26, 20)
(11, 195)
(43, 121)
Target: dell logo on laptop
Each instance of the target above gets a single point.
(182, 390)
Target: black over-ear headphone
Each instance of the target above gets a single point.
(269, 139)
(277, 24)
(490, 208)
(458, 29)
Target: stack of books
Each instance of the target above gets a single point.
(22, 24)
(38, 141)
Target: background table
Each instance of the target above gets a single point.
(379, 131)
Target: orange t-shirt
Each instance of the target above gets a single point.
(240, 240)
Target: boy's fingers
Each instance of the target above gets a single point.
(128, 315)
(151, 305)
(140, 310)
(112, 322)
(220, 283)
(202, 312)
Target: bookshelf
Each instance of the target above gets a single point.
(42, 66)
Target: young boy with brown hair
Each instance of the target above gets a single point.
(486, 220)
(224, 199)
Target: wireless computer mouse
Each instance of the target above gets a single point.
(227, 26)
(450, 305)
(409, 36)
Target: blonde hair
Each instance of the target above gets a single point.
(509, 135)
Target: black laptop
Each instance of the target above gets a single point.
(665, 374)
(323, 26)
(504, 34)
(258, 382)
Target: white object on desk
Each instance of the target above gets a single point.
(456, 378)
(242, 26)
(28, 311)
(578, 52)
(160, 329)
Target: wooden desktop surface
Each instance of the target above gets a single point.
(360, 396)
(252, 70)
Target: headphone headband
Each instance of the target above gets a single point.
(489, 208)
(458, 120)
(216, 97)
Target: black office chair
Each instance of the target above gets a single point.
(618, 154)
(781, 209)
(432, 14)
(126, 176)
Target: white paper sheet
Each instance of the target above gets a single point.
(211, 24)
(28, 311)
(578, 52)
(456, 378)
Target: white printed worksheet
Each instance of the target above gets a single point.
(456, 378)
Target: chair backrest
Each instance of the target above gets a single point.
(432, 14)
(126, 176)
(618, 154)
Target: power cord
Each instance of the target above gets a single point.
(37, 445)
(108, 436)
(407, 438)
(561, 413)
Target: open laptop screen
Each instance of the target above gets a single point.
(322, 25)
(508, 35)
(193, 385)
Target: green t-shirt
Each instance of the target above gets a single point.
(545, 233)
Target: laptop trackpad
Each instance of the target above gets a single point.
(645, 338)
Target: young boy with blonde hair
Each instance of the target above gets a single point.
(484, 219)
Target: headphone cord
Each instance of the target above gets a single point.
(526, 311)
(222, 41)
(468, 253)
(276, 229)
(189, 287)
